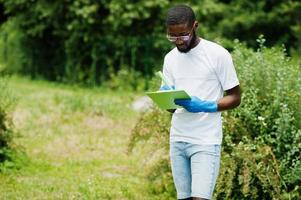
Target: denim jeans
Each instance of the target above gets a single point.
(194, 168)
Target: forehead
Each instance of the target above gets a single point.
(178, 29)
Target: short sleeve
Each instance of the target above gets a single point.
(167, 73)
(226, 71)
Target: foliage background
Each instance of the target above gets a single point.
(90, 41)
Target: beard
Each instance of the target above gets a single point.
(190, 45)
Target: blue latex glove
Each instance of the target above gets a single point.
(166, 87)
(197, 105)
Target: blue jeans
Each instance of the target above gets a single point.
(194, 168)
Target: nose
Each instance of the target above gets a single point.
(179, 41)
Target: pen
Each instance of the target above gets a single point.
(164, 79)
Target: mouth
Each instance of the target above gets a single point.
(182, 46)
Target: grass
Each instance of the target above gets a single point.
(75, 141)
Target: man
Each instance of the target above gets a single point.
(205, 71)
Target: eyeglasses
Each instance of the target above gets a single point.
(184, 38)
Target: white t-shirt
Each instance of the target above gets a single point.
(206, 71)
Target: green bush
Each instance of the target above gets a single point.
(261, 148)
(127, 80)
(7, 152)
(153, 127)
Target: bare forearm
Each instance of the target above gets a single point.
(231, 100)
(228, 102)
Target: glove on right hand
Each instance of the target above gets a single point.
(166, 87)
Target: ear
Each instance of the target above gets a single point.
(196, 24)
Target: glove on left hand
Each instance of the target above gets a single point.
(196, 105)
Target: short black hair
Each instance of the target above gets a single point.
(180, 14)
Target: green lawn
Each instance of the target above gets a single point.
(75, 140)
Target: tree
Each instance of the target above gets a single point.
(86, 41)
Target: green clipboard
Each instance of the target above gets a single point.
(165, 98)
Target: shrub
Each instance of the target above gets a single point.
(127, 80)
(261, 149)
(6, 125)
(153, 127)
